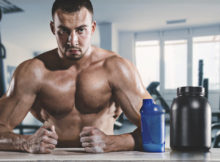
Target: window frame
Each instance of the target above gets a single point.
(189, 77)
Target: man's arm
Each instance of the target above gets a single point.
(128, 91)
(15, 105)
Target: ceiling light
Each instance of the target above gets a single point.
(176, 21)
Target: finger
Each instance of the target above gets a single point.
(93, 144)
(53, 129)
(95, 139)
(95, 149)
(87, 128)
(87, 131)
(50, 146)
(86, 139)
(50, 134)
(53, 135)
(47, 151)
(90, 149)
(48, 140)
(46, 125)
(49, 126)
(46, 148)
(87, 144)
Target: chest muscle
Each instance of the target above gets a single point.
(87, 92)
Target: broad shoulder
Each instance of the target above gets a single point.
(33, 69)
(31, 66)
(109, 58)
(38, 63)
(29, 72)
(26, 78)
(118, 65)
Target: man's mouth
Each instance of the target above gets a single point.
(73, 50)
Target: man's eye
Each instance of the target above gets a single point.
(80, 30)
(63, 31)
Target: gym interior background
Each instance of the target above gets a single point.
(172, 43)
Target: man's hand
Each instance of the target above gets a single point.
(43, 141)
(94, 140)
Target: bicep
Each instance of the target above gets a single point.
(16, 103)
(129, 98)
(128, 90)
(13, 109)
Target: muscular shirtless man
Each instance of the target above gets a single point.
(76, 90)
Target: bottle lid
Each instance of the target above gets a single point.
(151, 108)
(189, 90)
(148, 101)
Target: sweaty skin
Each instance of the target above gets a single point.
(77, 90)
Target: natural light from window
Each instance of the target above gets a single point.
(175, 55)
(207, 48)
(148, 60)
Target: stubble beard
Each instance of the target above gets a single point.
(64, 54)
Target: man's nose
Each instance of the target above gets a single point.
(73, 39)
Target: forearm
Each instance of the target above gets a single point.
(125, 142)
(13, 142)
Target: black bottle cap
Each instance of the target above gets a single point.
(190, 91)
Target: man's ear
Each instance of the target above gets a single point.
(52, 27)
(93, 26)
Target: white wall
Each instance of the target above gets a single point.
(127, 45)
(96, 37)
(108, 34)
(115, 38)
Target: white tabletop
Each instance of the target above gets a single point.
(78, 155)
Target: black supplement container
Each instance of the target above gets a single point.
(190, 120)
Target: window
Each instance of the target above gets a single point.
(175, 55)
(147, 60)
(207, 48)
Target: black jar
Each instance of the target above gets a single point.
(190, 120)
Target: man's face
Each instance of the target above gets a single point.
(73, 32)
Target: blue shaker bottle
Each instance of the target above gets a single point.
(152, 126)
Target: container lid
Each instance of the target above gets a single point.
(190, 91)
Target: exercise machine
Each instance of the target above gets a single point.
(203, 82)
(152, 89)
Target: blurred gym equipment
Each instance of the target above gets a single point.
(152, 89)
(6, 7)
(2, 56)
(27, 129)
(215, 125)
(200, 72)
(203, 82)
